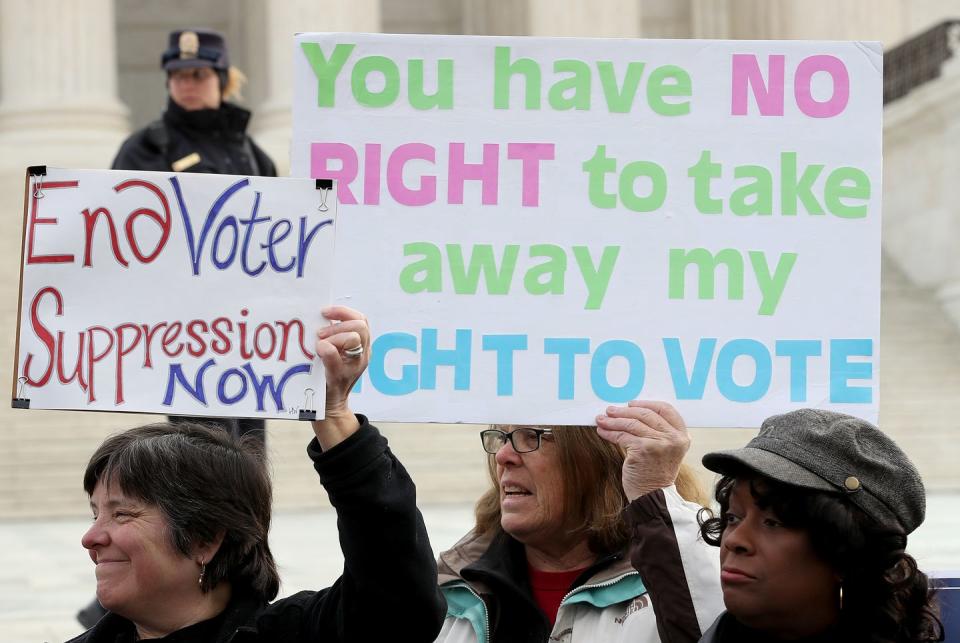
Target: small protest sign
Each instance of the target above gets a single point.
(190, 294)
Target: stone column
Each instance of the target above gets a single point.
(281, 20)
(58, 83)
(608, 19)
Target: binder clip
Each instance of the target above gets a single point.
(20, 402)
(324, 185)
(37, 172)
(308, 413)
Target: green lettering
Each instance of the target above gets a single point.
(658, 88)
(503, 70)
(792, 189)
(707, 265)
(837, 188)
(658, 186)
(326, 71)
(572, 92)
(443, 97)
(546, 278)
(755, 197)
(596, 278)
(771, 287)
(391, 85)
(429, 266)
(702, 173)
(620, 100)
(482, 261)
(597, 168)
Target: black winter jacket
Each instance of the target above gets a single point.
(388, 591)
(211, 141)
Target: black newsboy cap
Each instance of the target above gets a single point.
(833, 452)
(189, 48)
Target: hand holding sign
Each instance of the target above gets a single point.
(655, 439)
(344, 349)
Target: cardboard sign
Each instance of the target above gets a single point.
(188, 294)
(539, 227)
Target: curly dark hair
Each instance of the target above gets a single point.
(886, 598)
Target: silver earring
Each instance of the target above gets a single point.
(203, 571)
(841, 597)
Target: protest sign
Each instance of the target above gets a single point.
(192, 294)
(538, 227)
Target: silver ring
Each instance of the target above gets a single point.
(353, 353)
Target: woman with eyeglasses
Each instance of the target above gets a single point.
(547, 559)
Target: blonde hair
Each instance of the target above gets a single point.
(236, 79)
(592, 489)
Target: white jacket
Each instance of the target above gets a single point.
(671, 596)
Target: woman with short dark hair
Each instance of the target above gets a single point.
(182, 513)
(812, 531)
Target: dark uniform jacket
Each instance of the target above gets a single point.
(212, 141)
(388, 590)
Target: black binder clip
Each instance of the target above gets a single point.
(324, 185)
(37, 171)
(20, 402)
(307, 413)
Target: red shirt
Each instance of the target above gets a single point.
(549, 588)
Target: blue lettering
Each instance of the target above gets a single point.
(762, 372)
(505, 346)
(377, 368)
(566, 349)
(264, 385)
(459, 358)
(222, 386)
(196, 391)
(689, 387)
(249, 223)
(196, 247)
(798, 350)
(842, 371)
(598, 371)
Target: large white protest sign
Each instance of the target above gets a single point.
(191, 294)
(539, 227)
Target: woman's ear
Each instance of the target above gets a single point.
(204, 553)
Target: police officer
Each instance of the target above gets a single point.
(199, 131)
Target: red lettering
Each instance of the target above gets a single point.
(36, 220)
(264, 354)
(170, 337)
(149, 332)
(89, 223)
(77, 373)
(221, 345)
(45, 337)
(285, 328)
(122, 351)
(93, 357)
(161, 220)
(200, 347)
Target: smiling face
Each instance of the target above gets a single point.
(772, 578)
(531, 492)
(139, 572)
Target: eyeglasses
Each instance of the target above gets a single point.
(195, 74)
(524, 440)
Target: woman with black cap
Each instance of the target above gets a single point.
(813, 523)
(199, 131)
